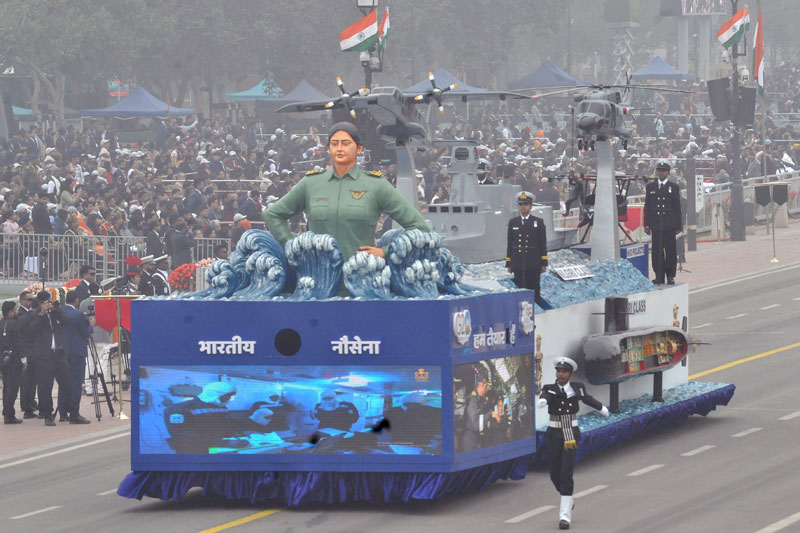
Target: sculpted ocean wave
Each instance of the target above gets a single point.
(418, 267)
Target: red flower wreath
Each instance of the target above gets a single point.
(182, 278)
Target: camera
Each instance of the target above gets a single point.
(89, 311)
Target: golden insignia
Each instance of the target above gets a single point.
(357, 194)
(316, 171)
(375, 173)
(421, 375)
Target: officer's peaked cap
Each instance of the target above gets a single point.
(565, 363)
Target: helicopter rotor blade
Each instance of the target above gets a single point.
(562, 91)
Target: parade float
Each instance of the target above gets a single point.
(298, 377)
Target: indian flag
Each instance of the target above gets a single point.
(732, 31)
(383, 30)
(362, 35)
(758, 55)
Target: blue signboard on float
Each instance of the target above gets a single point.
(397, 386)
(636, 253)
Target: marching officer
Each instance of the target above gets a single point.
(663, 221)
(526, 252)
(562, 400)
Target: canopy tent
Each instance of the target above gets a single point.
(20, 111)
(547, 75)
(261, 91)
(139, 103)
(443, 79)
(304, 92)
(658, 69)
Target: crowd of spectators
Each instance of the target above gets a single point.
(212, 179)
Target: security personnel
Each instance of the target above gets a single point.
(13, 360)
(562, 401)
(526, 252)
(344, 201)
(202, 422)
(160, 277)
(663, 221)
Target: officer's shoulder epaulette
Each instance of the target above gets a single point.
(315, 171)
(375, 173)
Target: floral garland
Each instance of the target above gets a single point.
(182, 278)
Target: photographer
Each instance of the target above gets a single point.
(12, 360)
(50, 345)
(77, 333)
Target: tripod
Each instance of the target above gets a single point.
(96, 373)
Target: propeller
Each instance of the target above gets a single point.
(436, 92)
(346, 96)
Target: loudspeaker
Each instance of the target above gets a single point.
(780, 192)
(763, 194)
(671, 8)
(719, 96)
(745, 107)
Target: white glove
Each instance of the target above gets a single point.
(541, 402)
(604, 411)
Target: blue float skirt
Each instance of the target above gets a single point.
(637, 417)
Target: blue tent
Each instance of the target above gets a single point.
(304, 92)
(443, 79)
(20, 111)
(548, 75)
(139, 103)
(658, 69)
(261, 91)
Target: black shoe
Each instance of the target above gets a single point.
(657, 282)
(49, 422)
(563, 524)
(11, 420)
(28, 414)
(63, 419)
(670, 281)
(79, 420)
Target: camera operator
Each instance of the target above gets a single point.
(12, 360)
(48, 326)
(77, 333)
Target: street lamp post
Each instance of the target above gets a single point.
(369, 58)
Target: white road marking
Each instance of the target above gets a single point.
(63, 450)
(107, 492)
(701, 449)
(790, 416)
(645, 470)
(773, 306)
(740, 315)
(701, 326)
(40, 511)
(796, 299)
(740, 279)
(781, 524)
(586, 492)
(529, 514)
(746, 432)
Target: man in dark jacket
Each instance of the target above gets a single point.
(50, 344)
(182, 244)
(526, 255)
(41, 217)
(28, 306)
(77, 332)
(12, 360)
